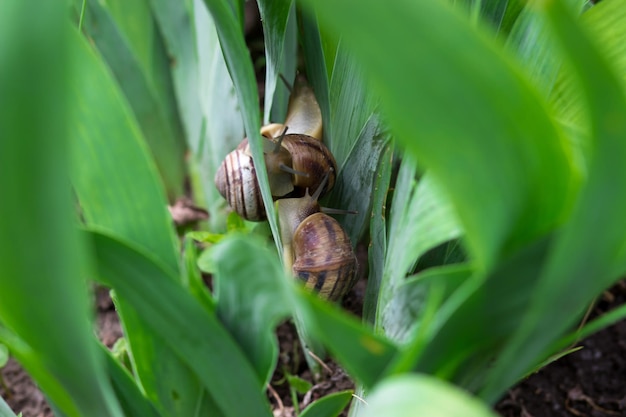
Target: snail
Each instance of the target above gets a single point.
(303, 115)
(294, 161)
(316, 249)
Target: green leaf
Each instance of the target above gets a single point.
(119, 192)
(300, 385)
(182, 323)
(274, 17)
(606, 24)
(355, 184)
(408, 308)
(112, 173)
(328, 406)
(364, 355)
(347, 121)
(5, 410)
(125, 35)
(222, 123)
(44, 274)
(192, 278)
(459, 350)
(502, 14)
(131, 399)
(417, 395)
(241, 71)
(419, 209)
(175, 24)
(606, 320)
(316, 61)
(4, 355)
(378, 233)
(595, 219)
(252, 298)
(456, 101)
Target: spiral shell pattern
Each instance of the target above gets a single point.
(313, 157)
(237, 182)
(323, 257)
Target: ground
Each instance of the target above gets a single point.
(590, 382)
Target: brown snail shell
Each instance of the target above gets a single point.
(313, 157)
(237, 182)
(316, 249)
(323, 257)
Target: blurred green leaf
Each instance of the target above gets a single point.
(530, 40)
(300, 385)
(119, 192)
(5, 410)
(175, 25)
(598, 215)
(456, 101)
(413, 395)
(112, 173)
(458, 349)
(502, 14)
(192, 278)
(44, 274)
(364, 355)
(605, 23)
(328, 406)
(126, 37)
(183, 324)
(205, 237)
(4, 355)
(251, 298)
(131, 399)
(605, 320)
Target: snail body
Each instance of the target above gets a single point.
(304, 115)
(317, 250)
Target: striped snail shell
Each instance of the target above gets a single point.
(317, 250)
(237, 182)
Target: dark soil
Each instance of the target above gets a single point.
(590, 382)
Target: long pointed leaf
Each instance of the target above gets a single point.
(251, 298)
(118, 189)
(240, 67)
(182, 323)
(274, 16)
(138, 60)
(456, 101)
(595, 219)
(45, 274)
(222, 121)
